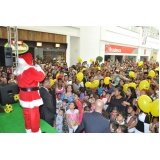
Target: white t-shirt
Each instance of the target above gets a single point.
(131, 130)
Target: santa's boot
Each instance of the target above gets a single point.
(39, 131)
(28, 131)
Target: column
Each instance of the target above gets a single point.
(89, 43)
(68, 51)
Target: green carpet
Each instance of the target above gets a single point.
(13, 122)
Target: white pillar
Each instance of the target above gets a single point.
(89, 43)
(74, 49)
(68, 51)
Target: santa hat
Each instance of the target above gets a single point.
(26, 58)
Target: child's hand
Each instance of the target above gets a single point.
(70, 126)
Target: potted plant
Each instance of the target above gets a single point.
(99, 59)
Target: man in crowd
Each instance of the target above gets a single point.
(94, 122)
(47, 110)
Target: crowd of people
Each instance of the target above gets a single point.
(71, 106)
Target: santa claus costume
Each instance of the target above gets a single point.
(28, 78)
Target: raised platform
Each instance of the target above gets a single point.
(13, 122)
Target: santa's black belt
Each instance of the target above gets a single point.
(30, 89)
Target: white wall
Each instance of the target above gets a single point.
(119, 35)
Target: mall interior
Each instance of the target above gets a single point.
(68, 43)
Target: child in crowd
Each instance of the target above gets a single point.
(113, 126)
(107, 97)
(78, 104)
(82, 94)
(103, 97)
(131, 118)
(59, 120)
(58, 107)
(93, 100)
(87, 109)
(64, 105)
(114, 114)
(65, 108)
(72, 117)
(121, 118)
(58, 103)
(154, 126)
(122, 129)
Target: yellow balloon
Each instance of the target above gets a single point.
(83, 69)
(132, 85)
(79, 76)
(79, 59)
(155, 108)
(106, 80)
(157, 69)
(91, 60)
(140, 63)
(144, 103)
(88, 84)
(96, 83)
(125, 87)
(144, 85)
(57, 75)
(52, 82)
(151, 73)
(92, 85)
(99, 68)
(132, 74)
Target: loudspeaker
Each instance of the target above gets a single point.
(6, 58)
(7, 93)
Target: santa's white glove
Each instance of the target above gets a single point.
(38, 68)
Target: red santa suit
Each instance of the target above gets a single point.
(28, 78)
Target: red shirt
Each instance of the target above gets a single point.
(80, 107)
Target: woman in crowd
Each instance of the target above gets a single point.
(116, 99)
(60, 88)
(68, 94)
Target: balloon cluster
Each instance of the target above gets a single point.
(125, 86)
(92, 85)
(146, 105)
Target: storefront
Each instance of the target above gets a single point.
(51, 53)
(120, 53)
(44, 45)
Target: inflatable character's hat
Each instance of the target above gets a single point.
(26, 58)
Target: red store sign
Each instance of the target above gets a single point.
(109, 48)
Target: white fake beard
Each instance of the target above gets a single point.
(21, 68)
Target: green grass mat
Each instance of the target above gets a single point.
(13, 122)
